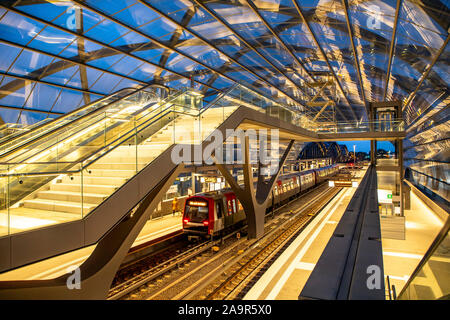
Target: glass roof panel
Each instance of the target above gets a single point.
(265, 44)
(7, 55)
(41, 97)
(18, 29)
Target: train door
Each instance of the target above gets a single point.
(310, 179)
(296, 184)
(219, 215)
(229, 209)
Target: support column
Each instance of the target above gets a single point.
(373, 152)
(399, 145)
(253, 201)
(193, 182)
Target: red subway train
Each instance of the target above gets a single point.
(214, 213)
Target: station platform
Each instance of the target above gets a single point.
(54, 267)
(287, 276)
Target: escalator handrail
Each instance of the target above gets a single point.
(124, 136)
(426, 257)
(70, 113)
(72, 121)
(73, 133)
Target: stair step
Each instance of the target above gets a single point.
(110, 173)
(89, 188)
(70, 196)
(55, 205)
(91, 179)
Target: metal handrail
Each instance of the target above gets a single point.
(426, 257)
(72, 121)
(69, 114)
(52, 145)
(124, 136)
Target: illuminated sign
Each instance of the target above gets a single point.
(384, 196)
(197, 203)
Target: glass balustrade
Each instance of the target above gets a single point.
(395, 125)
(9, 131)
(431, 279)
(66, 175)
(11, 143)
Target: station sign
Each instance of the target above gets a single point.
(384, 196)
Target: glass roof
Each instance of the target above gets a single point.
(58, 55)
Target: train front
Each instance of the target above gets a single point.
(196, 215)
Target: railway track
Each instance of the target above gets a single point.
(141, 277)
(240, 276)
(172, 278)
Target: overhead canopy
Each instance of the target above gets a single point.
(58, 55)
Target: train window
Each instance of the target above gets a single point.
(234, 206)
(195, 213)
(240, 207)
(230, 209)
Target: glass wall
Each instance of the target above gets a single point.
(431, 279)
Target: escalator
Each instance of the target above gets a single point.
(8, 131)
(31, 134)
(69, 169)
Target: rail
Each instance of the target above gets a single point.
(10, 146)
(394, 125)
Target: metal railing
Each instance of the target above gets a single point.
(395, 125)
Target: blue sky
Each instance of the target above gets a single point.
(365, 145)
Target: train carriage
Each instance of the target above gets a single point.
(213, 213)
(307, 179)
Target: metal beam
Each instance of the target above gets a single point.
(322, 110)
(229, 28)
(391, 49)
(28, 78)
(255, 11)
(425, 75)
(80, 36)
(395, 103)
(32, 110)
(81, 53)
(300, 12)
(355, 55)
(215, 48)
